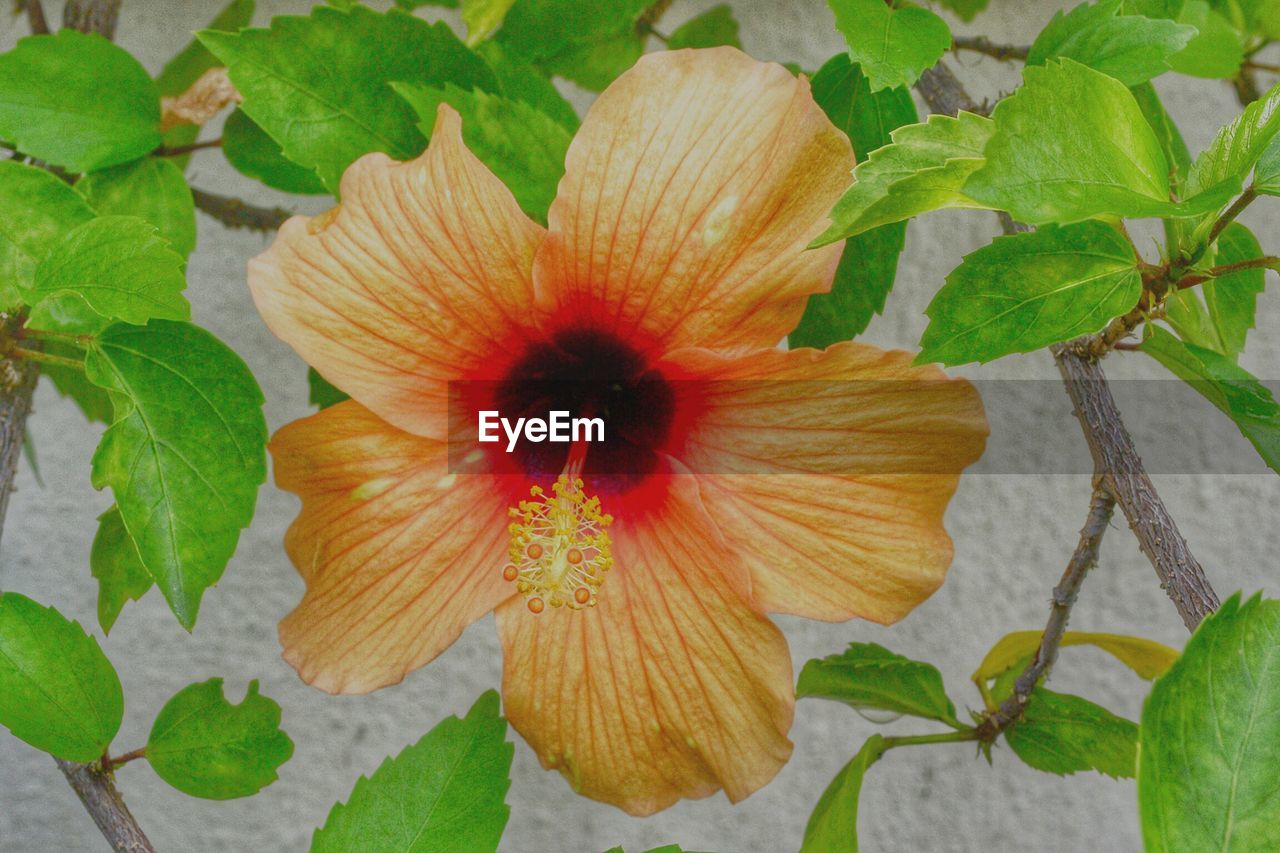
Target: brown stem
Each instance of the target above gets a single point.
(103, 802)
(110, 763)
(1115, 458)
(180, 150)
(1271, 68)
(235, 213)
(35, 17)
(17, 384)
(92, 16)
(1237, 207)
(1101, 505)
(983, 45)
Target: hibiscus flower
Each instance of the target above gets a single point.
(632, 578)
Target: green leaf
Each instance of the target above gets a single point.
(69, 382)
(833, 826)
(120, 267)
(186, 453)
(206, 747)
(326, 114)
(1211, 737)
(870, 676)
(1223, 319)
(894, 45)
(966, 10)
(36, 211)
(192, 61)
(446, 792)
(1237, 148)
(869, 262)
(1216, 52)
(77, 101)
(712, 28)
(522, 82)
(254, 154)
(1131, 48)
(114, 561)
(523, 147)
(321, 393)
(1029, 290)
(1266, 177)
(482, 17)
(1064, 734)
(152, 189)
(1072, 144)
(58, 691)
(1145, 657)
(925, 168)
(589, 43)
(1235, 391)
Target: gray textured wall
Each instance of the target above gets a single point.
(1013, 535)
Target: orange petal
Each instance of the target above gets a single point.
(420, 276)
(398, 554)
(672, 686)
(829, 472)
(691, 191)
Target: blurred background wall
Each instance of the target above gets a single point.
(1013, 536)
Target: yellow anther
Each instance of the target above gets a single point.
(559, 547)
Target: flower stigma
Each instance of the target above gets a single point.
(559, 548)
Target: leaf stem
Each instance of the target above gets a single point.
(1237, 207)
(983, 45)
(46, 358)
(959, 736)
(180, 150)
(109, 763)
(81, 341)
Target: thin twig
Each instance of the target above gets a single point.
(1237, 207)
(110, 763)
(1262, 66)
(44, 358)
(36, 19)
(236, 213)
(103, 802)
(17, 384)
(1085, 557)
(1115, 458)
(92, 16)
(983, 45)
(180, 150)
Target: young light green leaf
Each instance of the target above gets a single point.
(893, 45)
(58, 691)
(1216, 52)
(120, 267)
(152, 189)
(206, 747)
(77, 101)
(925, 168)
(322, 394)
(523, 147)
(1030, 290)
(186, 453)
(1145, 657)
(870, 260)
(114, 561)
(186, 67)
(482, 17)
(522, 82)
(254, 154)
(1223, 319)
(36, 211)
(1266, 177)
(1063, 734)
(866, 675)
(1131, 48)
(327, 114)
(714, 27)
(1237, 148)
(1211, 737)
(833, 825)
(446, 792)
(1072, 144)
(589, 43)
(1235, 391)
